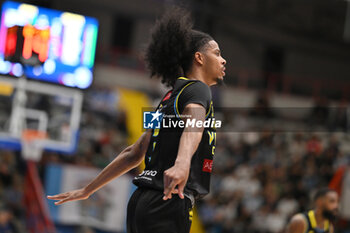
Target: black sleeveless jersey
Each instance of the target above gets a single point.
(162, 150)
(312, 224)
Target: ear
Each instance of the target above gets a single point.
(199, 57)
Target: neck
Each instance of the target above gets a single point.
(319, 216)
(196, 74)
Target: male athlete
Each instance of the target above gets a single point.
(178, 159)
(319, 219)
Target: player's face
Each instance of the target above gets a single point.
(330, 205)
(214, 63)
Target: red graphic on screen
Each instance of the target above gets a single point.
(11, 41)
(28, 41)
(37, 41)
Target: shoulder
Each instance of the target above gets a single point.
(201, 85)
(184, 83)
(298, 223)
(192, 91)
(197, 88)
(299, 218)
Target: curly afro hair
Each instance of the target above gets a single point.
(173, 44)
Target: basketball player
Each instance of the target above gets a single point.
(318, 220)
(178, 160)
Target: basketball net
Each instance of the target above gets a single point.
(32, 146)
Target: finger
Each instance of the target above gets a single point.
(175, 191)
(169, 190)
(167, 196)
(61, 202)
(66, 200)
(181, 190)
(58, 197)
(166, 183)
(166, 192)
(61, 195)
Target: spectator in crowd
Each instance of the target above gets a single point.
(320, 111)
(8, 223)
(262, 107)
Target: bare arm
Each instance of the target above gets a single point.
(128, 159)
(297, 224)
(189, 141)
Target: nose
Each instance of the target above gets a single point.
(223, 61)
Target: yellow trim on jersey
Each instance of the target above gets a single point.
(326, 225)
(206, 115)
(183, 78)
(313, 222)
(190, 213)
(155, 132)
(312, 218)
(177, 98)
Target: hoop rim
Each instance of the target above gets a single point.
(29, 135)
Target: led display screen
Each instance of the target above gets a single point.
(47, 45)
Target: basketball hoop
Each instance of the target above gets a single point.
(32, 146)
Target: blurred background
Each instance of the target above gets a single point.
(72, 89)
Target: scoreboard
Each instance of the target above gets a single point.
(47, 45)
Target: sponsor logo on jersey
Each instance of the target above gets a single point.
(148, 173)
(207, 165)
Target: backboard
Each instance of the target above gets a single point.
(30, 105)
